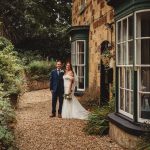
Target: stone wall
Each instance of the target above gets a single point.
(122, 138)
(96, 14)
(37, 85)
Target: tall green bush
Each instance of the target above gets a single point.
(7, 117)
(11, 69)
(27, 56)
(40, 70)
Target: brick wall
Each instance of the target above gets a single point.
(95, 14)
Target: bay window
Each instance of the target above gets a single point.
(133, 56)
(142, 62)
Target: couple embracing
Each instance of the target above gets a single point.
(62, 86)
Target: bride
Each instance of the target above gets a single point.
(71, 107)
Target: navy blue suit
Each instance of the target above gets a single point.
(57, 86)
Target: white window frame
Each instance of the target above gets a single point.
(124, 66)
(77, 62)
(139, 66)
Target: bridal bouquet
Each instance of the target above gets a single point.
(68, 96)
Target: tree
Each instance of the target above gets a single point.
(36, 24)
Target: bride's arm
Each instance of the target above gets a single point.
(72, 81)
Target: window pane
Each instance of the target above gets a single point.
(119, 54)
(81, 83)
(81, 71)
(122, 77)
(128, 76)
(130, 52)
(131, 111)
(130, 28)
(132, 79)
(125, 30)
(145, 106)
(119, 32)
(124, 53)
(80, 46)
(127, 101)
(145, 79)
(143, 24)
(81, 58)
(143, 51)
(73, 59)
(75, 69)
(122, 99)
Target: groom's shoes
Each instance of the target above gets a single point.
(59, 116)
(53, 115)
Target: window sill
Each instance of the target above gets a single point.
(127, 125)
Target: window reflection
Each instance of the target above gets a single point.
(130, 28)
(121, 99)
(143, 21)
(145, 79)
(145, 106)
(127, 101)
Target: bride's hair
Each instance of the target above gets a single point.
(70, 66)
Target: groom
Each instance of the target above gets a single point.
(57, 88)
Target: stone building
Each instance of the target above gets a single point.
(92, 34)
(96, 24)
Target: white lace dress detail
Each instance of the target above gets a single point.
(72, 108)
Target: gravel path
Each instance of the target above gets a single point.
(36, 131)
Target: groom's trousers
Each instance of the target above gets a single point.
(56, 95)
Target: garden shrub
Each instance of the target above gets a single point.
(7, 118)
(98, 123)
(40, 70)
(11, 70)
(27, 56)
(11, 80)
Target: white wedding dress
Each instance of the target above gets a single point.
(72, 108)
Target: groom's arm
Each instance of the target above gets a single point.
(51, 81)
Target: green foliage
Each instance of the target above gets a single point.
(6, 138)
(39, 24)
(10, 69)
(98, 123)
(7, 117)
(4, 43)
(40, 70)
(7, 114)
(10, 83)
(29, 56)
